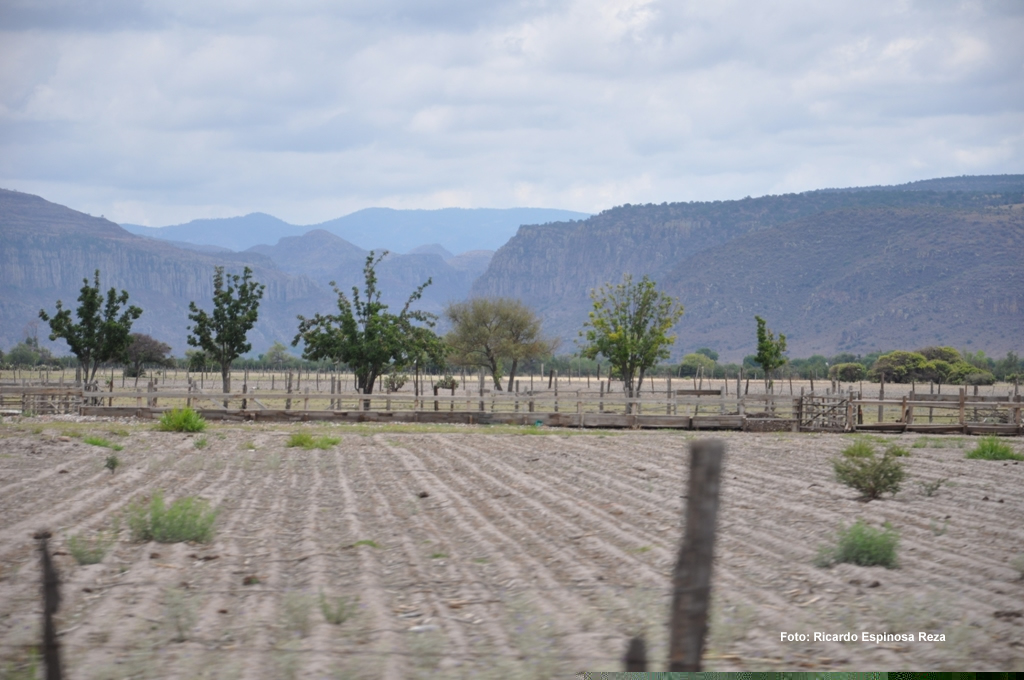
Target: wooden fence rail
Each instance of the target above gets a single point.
(681, 409)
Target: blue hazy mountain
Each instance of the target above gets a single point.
(457, 230)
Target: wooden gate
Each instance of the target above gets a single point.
(829, 413)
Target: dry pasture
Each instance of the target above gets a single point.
(473, 552)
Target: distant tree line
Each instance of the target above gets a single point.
(626, 337)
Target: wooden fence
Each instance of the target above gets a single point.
(679, 409)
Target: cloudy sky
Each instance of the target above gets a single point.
(163, 111)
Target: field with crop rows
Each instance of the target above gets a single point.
(470, 552)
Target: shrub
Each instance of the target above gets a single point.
(990, 448)
(979, 378)
(181, 420)
(112, 463)
(447, 383)
(88, 550)
(394, 381)
(862, 469)
(187, 519)
(851, 372)
(306, 441)
(862, 545)
(337, 610)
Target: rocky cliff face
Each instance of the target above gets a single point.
(724, 261)
(46, 250)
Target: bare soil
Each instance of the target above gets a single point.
(474, 553)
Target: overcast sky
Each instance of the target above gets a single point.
(160, 112)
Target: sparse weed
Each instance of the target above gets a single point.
(1018, 564)
(187, 519)
(112, 462)
(990, 448)
(438, 556)
(181, 612)
(295, 611)
(372, 544)
(200, 443)
(860, 468)
(88, 550)
(24, 669)
(306, 441)
(338, 610)
(938, 443)
(181, 420)
(936, 529)
(118, 432)
(930, 488)
(247, 446)
(863, 545)
(100, 441)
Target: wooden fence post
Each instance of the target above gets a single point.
(691, 580)
(881, 396)
(51, 603)
(636, 655)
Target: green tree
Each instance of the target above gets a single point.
(847, 372)
(196, 360)
(697, 362)
(489, 333)
(770, 351)
(145, 349)
(23, 354)
(708, 352)
(103, 331)
(629, 326)
(222, 334)
(364, 335)
(277, 356)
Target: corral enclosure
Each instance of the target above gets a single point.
(492, 552)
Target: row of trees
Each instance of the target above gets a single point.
(628, 328)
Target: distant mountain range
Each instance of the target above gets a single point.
(858, 269)
(401, 231)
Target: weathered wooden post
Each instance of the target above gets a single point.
(51, 603)
(963, 399)
(600, 404)
(481, 389)
(636, 655)
(691, 580)
(881, 397)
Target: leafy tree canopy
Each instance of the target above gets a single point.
(489, 333)
(145, 349)
(103, 331)
(222, 334)
(367, 337)
(708, 352)
(629, 326)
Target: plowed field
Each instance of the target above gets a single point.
(473, 554)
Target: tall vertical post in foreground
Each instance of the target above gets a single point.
(51, 602)
(691, 580)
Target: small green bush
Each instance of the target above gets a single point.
(990, 448)
(306, 441)
(88, 550)
(181, 420)
(448, 382)
(862, 469)
(200, 443)
(112, 463)
(863, 545)
(395, 381)
(187, 519)
(100, 441)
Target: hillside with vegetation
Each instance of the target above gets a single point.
(46, 250)
(837, 270)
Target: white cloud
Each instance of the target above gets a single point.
(161, 112)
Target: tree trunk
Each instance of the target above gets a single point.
(512, 374)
